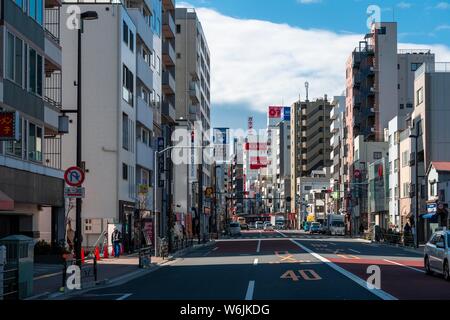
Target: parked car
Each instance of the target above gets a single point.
(315, 228)
(252, 225)
(279, 225)
(235, 229)
(244, 226)
(259, 225)
(268, 227)
(437, 254)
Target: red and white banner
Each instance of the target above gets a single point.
(256, 146)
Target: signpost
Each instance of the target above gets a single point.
(74, 192)
(74, 178)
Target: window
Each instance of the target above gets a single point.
(406, 189)
(390, 167)
(405, 159)
(396, 194)
(125, 132)
(125, 32)
(402, 106)
(396, 165)
(178, 28)
(433, 189)
(419, 96)
(35, 72)
(398, 86)
(14, 59)
(415, 66)
(10, 57)
(34, 142)
(131, 41)
(127, 85)
(377, 155)
(124, 172)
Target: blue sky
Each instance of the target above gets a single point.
(419, 23)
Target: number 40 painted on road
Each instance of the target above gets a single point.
(308, 275)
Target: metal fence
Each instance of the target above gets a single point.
(10, 284)
(52, 22)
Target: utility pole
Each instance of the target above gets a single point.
(416, 195)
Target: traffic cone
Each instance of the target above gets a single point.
(97, 254)
(121, 249)
(112, 252)
(82, 256)
(105, 252)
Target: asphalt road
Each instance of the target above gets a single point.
(285, 266)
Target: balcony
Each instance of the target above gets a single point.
(51, 23)
(169, 110)
(168, 54)
(144, 72)
(52, 88)
(194, 93)
(144, 113)
(144, 156)
(168, 83)
(168, 25)
(142, 26)
(334, 128)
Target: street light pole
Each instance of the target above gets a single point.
(416, 202)
(88, 15)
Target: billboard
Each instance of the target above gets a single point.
(287, 113)
(275, 112)
(220, 140)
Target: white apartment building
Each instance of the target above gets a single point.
(121, 97)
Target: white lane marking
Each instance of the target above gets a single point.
(250, 289)
(258, 248)
(378, 292)
(405, 266)
(125, 296)
(333, 244)
(45, 276)
(215, 249)
(282, 234)
(255, 262)
(38, 296)
(355, 251)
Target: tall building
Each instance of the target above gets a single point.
(193, 104)
(119, 115)
(283, 166)
(337, 130)
(31, 176)
(380, 80)
(310, 139)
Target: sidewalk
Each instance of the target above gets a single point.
(110, 271)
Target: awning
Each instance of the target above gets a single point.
(428, 215)
(6, 203)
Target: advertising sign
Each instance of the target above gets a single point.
(275, 112)
(287, 114)
(9, 126)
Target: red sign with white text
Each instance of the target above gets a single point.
(7, 125)
(275, 112)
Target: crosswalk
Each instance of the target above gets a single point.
(263, 235)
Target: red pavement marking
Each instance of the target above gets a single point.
(401, 282)
(236, 247)
(280, 246)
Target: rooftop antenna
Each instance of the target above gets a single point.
(307, 90)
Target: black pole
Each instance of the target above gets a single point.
(78, 242)
(200, 194)
(416, 218)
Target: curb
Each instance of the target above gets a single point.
(117, 281)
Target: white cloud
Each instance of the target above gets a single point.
(308, 1)
(443, 5)
(404, 5)
(257, 63)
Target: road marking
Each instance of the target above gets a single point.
(258, 248)
(314, 276)
(250, 289)
(125, 296)
(215, 249)
(333, 244)
(349, 257)
(405, 266)
(378, 292)
(282, 234)
(355, 251)
(47, 276)
(255, 262)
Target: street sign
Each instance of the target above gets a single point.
(432, 208)
(209, 192)
(74, 192)
(74, 176)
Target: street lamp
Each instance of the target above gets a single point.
(88, 15)
(416, 164)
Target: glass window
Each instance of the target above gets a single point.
(419, 96)
(39, 75)
(127, 85)
(125, 32)
(125, 131)
(124, 171)
(32, 72)
(131, 41)
(39, 11)
(10, 57)
(19, 61)
(32, 8)
(34, 142)
(14, 148)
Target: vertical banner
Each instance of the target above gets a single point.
(161, 167)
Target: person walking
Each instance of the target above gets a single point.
(116, 239)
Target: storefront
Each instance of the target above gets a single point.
(127, 218)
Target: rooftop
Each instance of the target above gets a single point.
(441, 165)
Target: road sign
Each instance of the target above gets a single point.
(74, 176)
(74, 192)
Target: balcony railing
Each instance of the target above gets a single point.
(52, 152)
(433, 67)
(51, 23)
(52, 90)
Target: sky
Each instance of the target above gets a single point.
(263, 51)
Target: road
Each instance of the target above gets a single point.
(285, 266)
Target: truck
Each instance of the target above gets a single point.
(335, 225)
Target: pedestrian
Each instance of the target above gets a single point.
(361, 229)
(116, 239)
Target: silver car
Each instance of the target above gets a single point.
(437, 254)
(235, 229)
